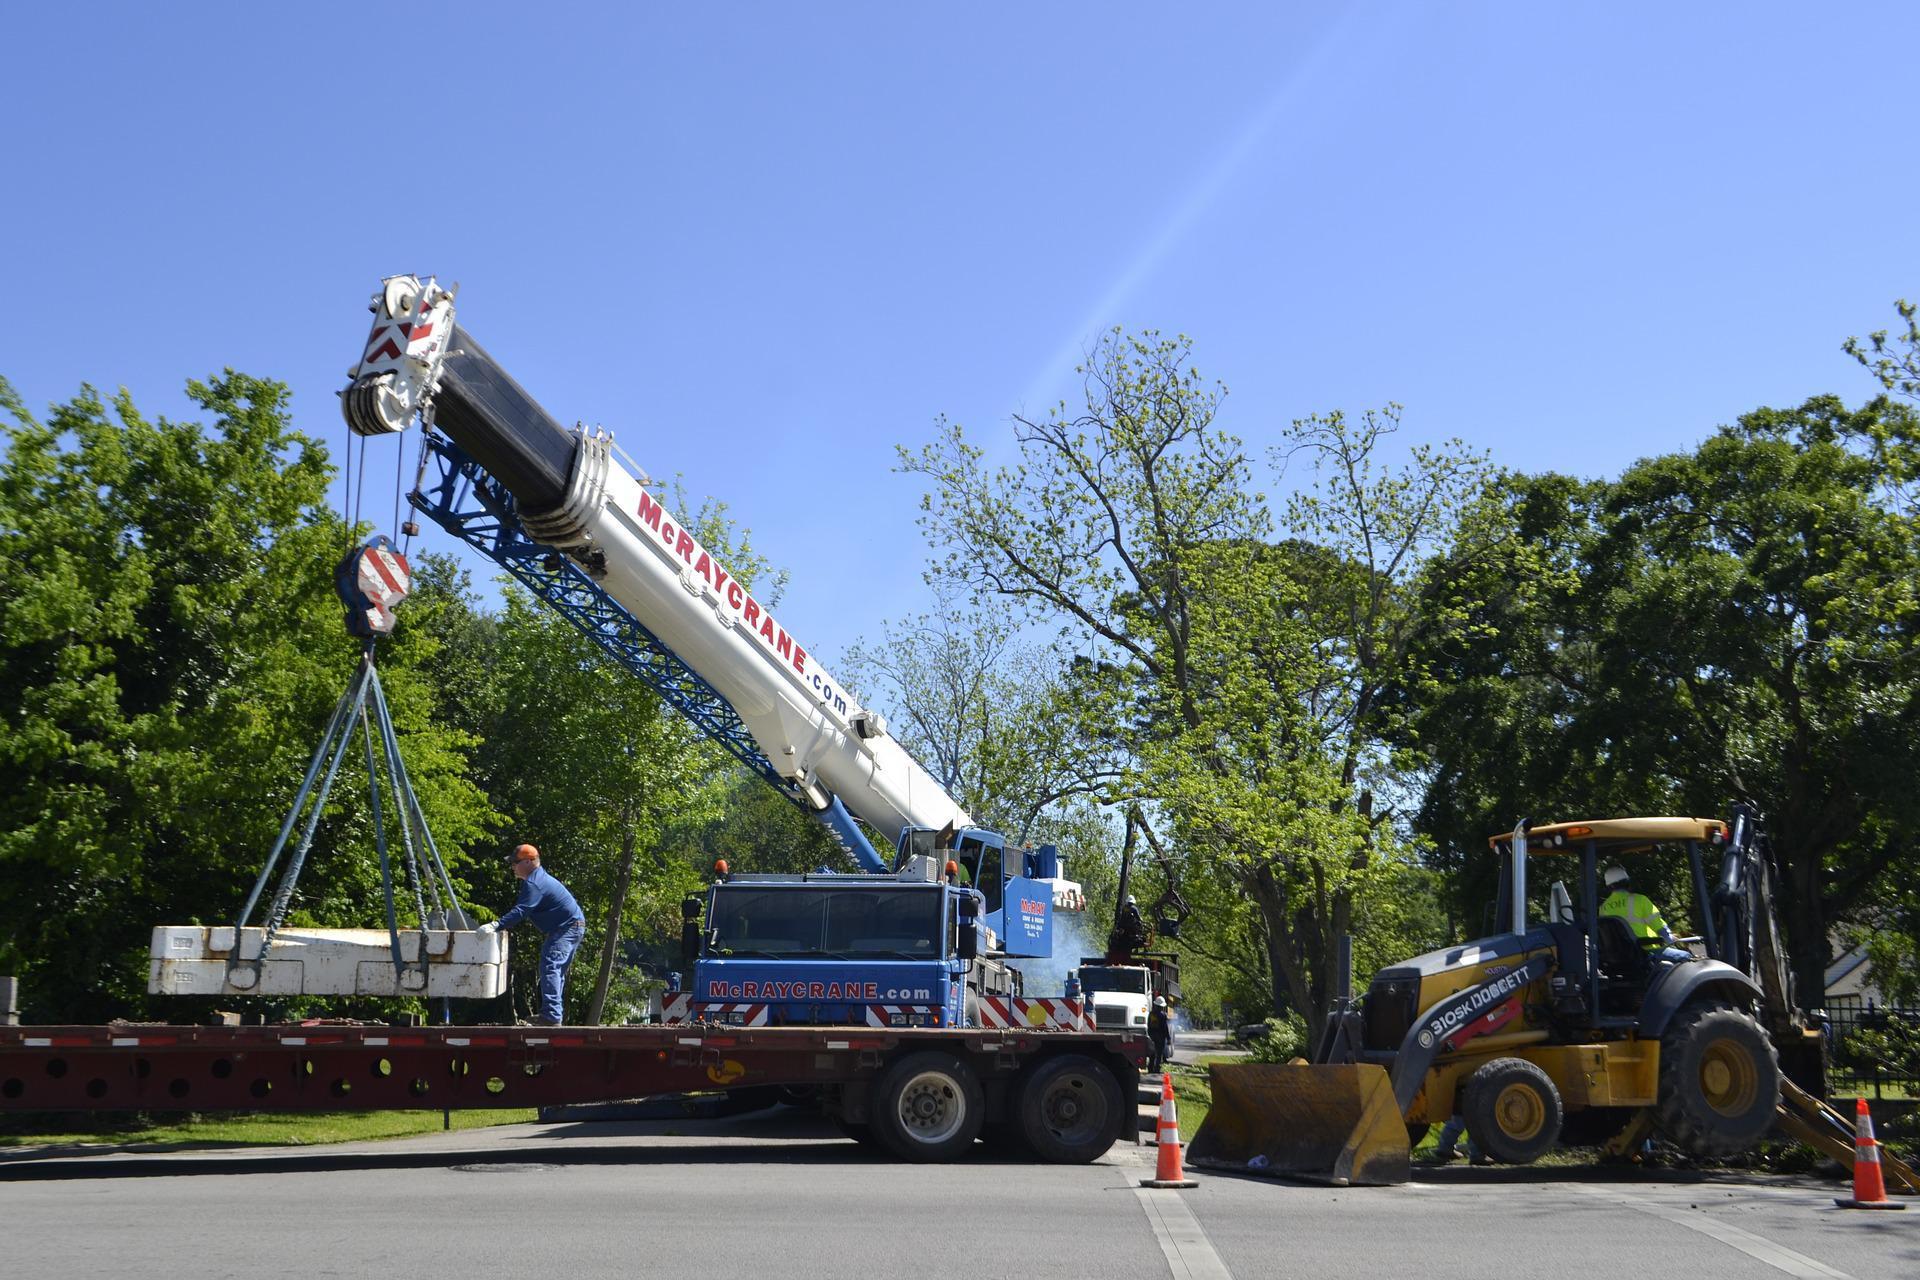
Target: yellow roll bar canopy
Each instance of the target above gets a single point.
(1641, 833)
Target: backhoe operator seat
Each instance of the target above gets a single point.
(1621, 955)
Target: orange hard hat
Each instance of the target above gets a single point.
(525, 852)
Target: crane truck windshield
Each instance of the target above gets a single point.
(1104, 978)
(901, 923)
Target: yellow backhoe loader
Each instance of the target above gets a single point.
(1569, 1027)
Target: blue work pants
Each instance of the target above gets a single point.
(557, 950)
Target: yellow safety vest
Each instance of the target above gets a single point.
(1638, 911)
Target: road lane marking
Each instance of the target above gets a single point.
(1759, 1248)
(1190, 1254)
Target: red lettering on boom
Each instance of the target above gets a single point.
(683, 546)
(649, 511)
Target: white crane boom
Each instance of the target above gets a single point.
(575, 494)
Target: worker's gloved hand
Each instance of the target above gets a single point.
(488, 927)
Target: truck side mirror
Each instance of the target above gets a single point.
(689, 930)
(967, 945)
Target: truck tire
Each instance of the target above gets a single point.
(928, 1107)
(1070, 1109)
(1512, 1110)
(1719, 1081)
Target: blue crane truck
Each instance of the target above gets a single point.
(916, 947)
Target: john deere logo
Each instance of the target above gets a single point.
(726, 1071)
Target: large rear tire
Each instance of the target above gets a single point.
(1070, 1110)
(928, 1107)
(1719, 1081)
(1512, 1110)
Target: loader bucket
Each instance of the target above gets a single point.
(1324, 1124)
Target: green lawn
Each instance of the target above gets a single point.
(267, 1129)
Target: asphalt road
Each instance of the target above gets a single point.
(778, 1193)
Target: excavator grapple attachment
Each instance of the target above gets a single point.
(1336, 1124)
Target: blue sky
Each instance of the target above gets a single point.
(767, 243)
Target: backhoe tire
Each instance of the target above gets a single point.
(1513, 1110)
(928, 1107)
(1719, 1081)
(1070, 1109)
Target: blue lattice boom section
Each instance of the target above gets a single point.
(470, 504)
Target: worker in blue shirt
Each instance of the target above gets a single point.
(546, 902)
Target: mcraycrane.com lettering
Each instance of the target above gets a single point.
(752, 615)
(771, 989)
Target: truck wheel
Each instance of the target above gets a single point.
(928, 1106)
(1070, 1109)
(1512, 1110)
(1719, 1081)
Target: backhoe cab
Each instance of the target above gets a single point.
(1563, 1024)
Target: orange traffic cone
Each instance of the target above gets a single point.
(1167, 1172)
(1869, 1185)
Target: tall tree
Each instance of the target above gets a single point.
(170, 648)
(1251, 667)
(1737, 622)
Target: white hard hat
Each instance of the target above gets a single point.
(1129, 899)
(1615, 874)
(1159, 1002)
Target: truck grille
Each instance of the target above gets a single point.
(1111, 1016)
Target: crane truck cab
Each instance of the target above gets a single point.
(908, 949)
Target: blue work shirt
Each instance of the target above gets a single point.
(543, 900)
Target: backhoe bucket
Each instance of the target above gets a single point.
(1324, 1124)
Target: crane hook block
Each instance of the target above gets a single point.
(371, 580)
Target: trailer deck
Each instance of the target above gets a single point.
(348, 1066)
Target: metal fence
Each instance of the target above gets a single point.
(1875, 1049)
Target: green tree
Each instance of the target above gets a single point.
(170, 649)
(1252, 669)
(1893, 358)
(1735, 622)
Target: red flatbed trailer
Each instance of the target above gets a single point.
(926, 1092)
